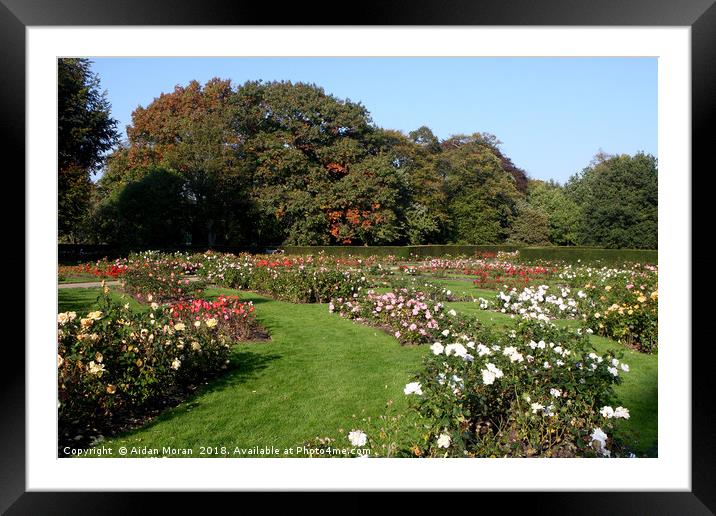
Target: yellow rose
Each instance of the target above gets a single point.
(94, 368)
(608, 288)
(211, 322)
(179, 326)
(641, 298)
(95, 315)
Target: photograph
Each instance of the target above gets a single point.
(256, 253)
(357, 257)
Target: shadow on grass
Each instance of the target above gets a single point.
(244, 366)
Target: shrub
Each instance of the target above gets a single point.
(114, 359)
(232, 318)
(295, 279)
(621, 304)
(589, 255)
(411, 316)
(157, 280)
(535, 391)
(628, 314)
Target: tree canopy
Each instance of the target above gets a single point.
(85, 132)
(267, 163)
(618, 201)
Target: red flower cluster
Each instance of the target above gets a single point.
(223, 308)
(491, 275)
(274, 263)
(100, 269)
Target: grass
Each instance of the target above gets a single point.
(83, 300)
(79, 278)
(319, 373)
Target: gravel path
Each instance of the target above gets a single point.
(90, 284)
(86, 285)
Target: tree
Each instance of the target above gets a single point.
(417, 156)
(319, 175)
(482, 195)
(191, 133)
(530, 226)
(618, 198)
(148, 210)
(424, 137)
(85, 132)
(563, 212)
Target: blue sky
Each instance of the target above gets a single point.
(551, 114)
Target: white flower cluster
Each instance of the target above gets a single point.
(536, 303)
(600, 438)
(617, 413)
(357, 438)
(413, 388)
(490, 374)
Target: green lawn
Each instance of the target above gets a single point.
(79, 278)
(85, 299)
(319, 373)
(312, 378)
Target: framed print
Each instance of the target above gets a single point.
(234, 211)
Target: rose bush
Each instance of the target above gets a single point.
(297, 280)
(534, 391)
(160, 280)
(115, 359)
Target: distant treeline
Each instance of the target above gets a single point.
(259, 163)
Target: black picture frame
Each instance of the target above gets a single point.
(700, 15)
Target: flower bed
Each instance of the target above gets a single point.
(103, 269)
(535, 391)
(410, 316)
(297, 280)
(540, 302)
(626, 313)
(232, 318)
(114, 361)
(159, 280)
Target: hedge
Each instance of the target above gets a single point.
(82, 253)
(590, 254)
(551, 253)
(404, 252)
(79, 253)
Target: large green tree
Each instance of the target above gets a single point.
(85, 132)
(190, 133)
(482, 195)
(563, 213)
(319, 174)
(618, 199)
(530, 226)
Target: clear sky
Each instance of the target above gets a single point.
(552, 115)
